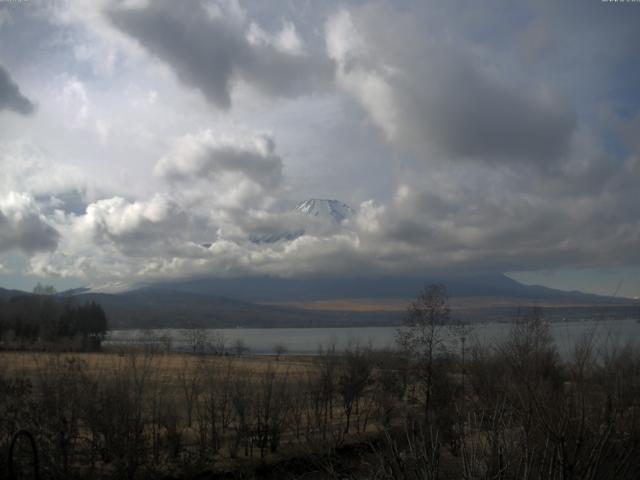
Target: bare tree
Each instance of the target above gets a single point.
(279, 349)
(272, 408)
(41, 289)
(327, 383)
(354, 377)
(390, 384)
(196, 337)
(243, 402)
(217, 409)
(426, 333)
(218, 343)
(190, 382)
(240, 347)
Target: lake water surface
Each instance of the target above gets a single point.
(307, 340)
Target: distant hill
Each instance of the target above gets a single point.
(302, 302)
(7, 294)
(270, 289)
(159, 307)
(167, 306)
(311, 302)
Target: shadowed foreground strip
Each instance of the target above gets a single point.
(513, 411)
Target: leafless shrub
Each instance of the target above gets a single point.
(354, 377)
(526, 413)
(279, 349)
(413, 453)
(61, 387)
(272, 408)
(216, 407)
(240, 347)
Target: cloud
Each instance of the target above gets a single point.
(117, 218)
(52, 185)
(465, 140)
(23, 227)
(210, 155)
(287, 40)
(469, 217)
(224, 174)
(11, 98)
(428, 94)
(132, 227)
(5, 17)
(424, 229)
(209, 50)
(79, 112)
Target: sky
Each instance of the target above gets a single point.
(142, 141)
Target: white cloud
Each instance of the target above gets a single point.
(25, 168)
(287, 40)
(231, 170)
(79, 112)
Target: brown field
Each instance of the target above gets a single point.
(29, 363)
(400, 304)
(350, 304)
(221, 412)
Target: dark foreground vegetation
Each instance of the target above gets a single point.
(43, 321)
(441, 407)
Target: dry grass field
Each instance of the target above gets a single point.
(397, 305)
(28, 364)
(361, 414)
(217, 412)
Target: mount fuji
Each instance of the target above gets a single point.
(333, 210)
(325, 211)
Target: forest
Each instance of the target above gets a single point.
(49, 322)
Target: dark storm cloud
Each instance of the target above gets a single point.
(210, 53)
(10, 96)
(22, 227)
(470, 114)
(425, 90)
(208, 155)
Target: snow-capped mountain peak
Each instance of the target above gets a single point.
(331, 213)
(323, 208)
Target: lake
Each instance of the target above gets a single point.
(307, 340)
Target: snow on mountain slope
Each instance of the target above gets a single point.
(332, 212)
(323, 208)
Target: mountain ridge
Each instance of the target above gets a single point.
(273, 289)
(172, 306)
